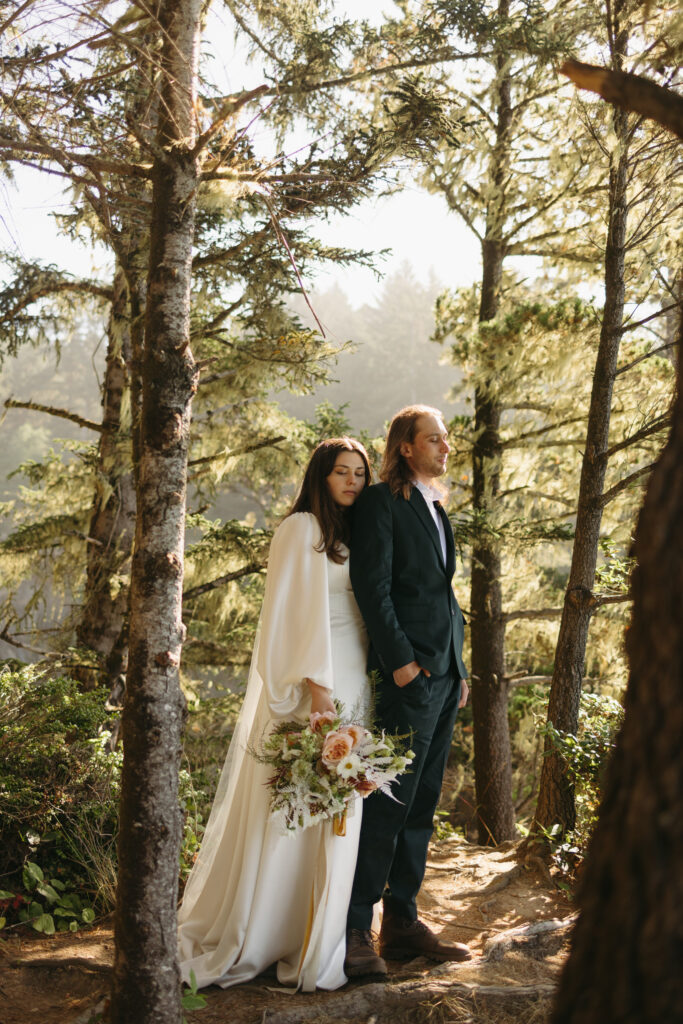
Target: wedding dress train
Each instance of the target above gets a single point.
(257, 896)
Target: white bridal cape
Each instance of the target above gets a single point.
(257, 896)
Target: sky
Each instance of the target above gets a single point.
(417, 227)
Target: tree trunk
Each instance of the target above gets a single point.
(556, 804)
(625, 962)
(146, 979)
(492, 759)
(112, 521)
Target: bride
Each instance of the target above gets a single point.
(256, 896)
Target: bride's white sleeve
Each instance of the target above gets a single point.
(295, 640)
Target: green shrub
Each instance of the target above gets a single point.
(59, 793)
(59, 788)
(586, 755)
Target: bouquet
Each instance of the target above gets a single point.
(317, 768)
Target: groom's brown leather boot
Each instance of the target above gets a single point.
(403, 939)
(361, 957)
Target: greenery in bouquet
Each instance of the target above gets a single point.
(318, 767)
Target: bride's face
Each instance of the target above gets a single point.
(347, 478)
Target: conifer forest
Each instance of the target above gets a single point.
(157, 412)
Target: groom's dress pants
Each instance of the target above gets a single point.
(392, 854)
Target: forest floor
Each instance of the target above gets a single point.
(511, 914)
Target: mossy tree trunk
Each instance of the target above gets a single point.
(492, 759)
(112, 521)
(146, 980)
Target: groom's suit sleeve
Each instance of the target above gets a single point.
(371, 569)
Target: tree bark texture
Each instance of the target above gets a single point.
(556, 804)
(112, 521)
(492, 758)
(146, 979)
(627, 949)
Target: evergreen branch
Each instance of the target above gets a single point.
(62, 156)
(64, 414)
(56, 288)
(204, 330)
(542, 208)
(444, 56)
(283, 241)
(228, 375)
(612, 493)
(533, 406)
(520, 249)
(515, 441)
(630, 92)
(13, 63)
(229, 108)
(537, 494)
(204, 588)
(252, 35)
(226, 453)
(652, 428)
(225, 254)
(648, 355)
(457, 207)
(14, 15)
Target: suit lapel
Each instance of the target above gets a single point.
(450, 540)
(419, 507)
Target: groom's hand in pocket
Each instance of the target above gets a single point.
(408, 673)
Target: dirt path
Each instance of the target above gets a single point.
(480, 896)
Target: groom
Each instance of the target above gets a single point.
(402, 563)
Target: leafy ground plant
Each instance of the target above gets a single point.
(58, 782)
(45, 904)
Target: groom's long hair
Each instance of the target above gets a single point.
(315, 496)
(394, 470)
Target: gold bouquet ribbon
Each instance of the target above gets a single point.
(339, 823)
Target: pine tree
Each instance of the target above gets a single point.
(624, 961)
(556, 796)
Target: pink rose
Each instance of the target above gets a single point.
(357, 733)
(318, 719)
(336, 746)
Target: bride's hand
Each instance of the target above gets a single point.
(321, 698)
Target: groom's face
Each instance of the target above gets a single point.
(427, 453)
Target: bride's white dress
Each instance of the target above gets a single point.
(257, 896)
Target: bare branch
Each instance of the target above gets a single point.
(229, 108)
(204, 588)
(612, 493)
(532, 613)
(598, 602)
(514, 442)
(659, 424)
(64, 414)
(227, 453)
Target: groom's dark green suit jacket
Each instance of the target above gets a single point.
(402, 585)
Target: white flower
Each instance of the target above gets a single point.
(349, 766)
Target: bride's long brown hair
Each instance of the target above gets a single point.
(315, 496)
